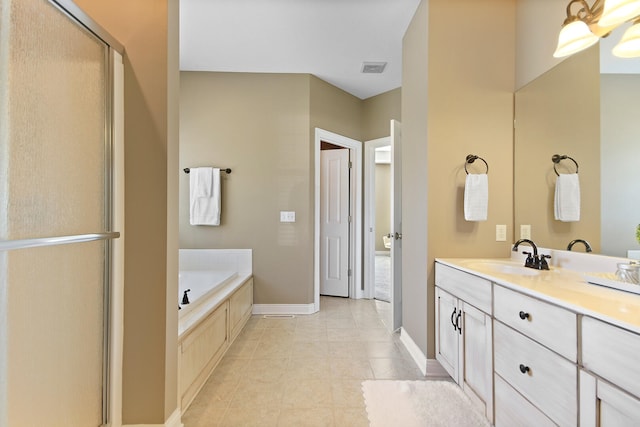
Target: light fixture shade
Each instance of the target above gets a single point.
(618, 11)
(574, 37)
(629, 45)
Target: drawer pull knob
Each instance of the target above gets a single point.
(524, 369)
(523, 315)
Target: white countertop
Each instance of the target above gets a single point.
(561, 286)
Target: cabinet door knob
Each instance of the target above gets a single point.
(453, 322)
(523, 315)
(458, 322)
(524, 369)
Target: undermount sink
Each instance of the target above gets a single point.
(504, 267)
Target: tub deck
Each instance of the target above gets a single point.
(202, 307)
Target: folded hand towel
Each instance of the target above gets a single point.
(567, 198)
(204, 196)
(201, 179)
(476, 197)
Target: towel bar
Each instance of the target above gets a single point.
(226, 170)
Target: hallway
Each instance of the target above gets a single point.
(303, 371)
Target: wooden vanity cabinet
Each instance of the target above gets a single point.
(536, 347)
(464, 333)
(533, 362)
(610, 376)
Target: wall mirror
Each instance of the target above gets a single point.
(586, 107)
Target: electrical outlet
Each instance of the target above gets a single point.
(501, 233)
(525, 231)
(287, 216)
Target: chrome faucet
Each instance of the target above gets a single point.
(533, 260)
(584, 242)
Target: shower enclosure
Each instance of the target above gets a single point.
(57, 100)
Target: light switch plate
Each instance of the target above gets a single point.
(501, 233)
(525, 231)
(287, 216)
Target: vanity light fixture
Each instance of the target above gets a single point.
(629, 46)
(576, 34)
(584, 27)
(618, 11)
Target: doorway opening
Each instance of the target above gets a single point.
(382, 258)
(355, 289)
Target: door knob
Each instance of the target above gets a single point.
(398, 236)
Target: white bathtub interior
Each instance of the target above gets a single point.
(212, 275)
(200, 284)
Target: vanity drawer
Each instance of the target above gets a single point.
(514, 410)
(611, 353)
(473, 290)
(550, 325)
(548, 381)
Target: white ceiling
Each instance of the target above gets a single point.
(327, 38)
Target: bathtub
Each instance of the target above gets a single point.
(201, 284)
(221, 302)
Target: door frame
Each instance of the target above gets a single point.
(370, 212)
(355, 242)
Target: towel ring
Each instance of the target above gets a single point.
(472, 158)
(556, 158)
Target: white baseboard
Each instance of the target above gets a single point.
(283, 308)
(414, 351)
(173, 421)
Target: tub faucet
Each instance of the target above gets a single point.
(185, 297)
(584, 242)
(533, 260)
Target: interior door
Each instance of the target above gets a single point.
(334, 222)
(396, 223)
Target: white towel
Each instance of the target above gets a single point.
(201, 179)
(476, 197)
(204, 196)
(567, 198)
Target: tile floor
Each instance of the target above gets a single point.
(303, 371)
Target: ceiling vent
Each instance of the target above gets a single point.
(373, 67)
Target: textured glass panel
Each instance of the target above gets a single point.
(53, 104)
(55, 136)
(55, 340)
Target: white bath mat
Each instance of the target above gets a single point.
(419, 404)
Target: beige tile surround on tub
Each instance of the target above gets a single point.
(303, 371)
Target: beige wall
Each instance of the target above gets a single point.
(469, 84)
(414, 177)
(148, 30)
(470, 112)
(334, 110)
(257, 125)
(538, 24)
(378, 111)
(559, 113)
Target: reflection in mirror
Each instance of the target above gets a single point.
(558, 113)
(574, 110)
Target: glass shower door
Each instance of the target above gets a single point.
(55, 221)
